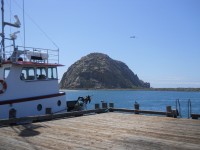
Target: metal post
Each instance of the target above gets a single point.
(58, 56)
(189, 108)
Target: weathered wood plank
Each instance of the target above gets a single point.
(113, 131)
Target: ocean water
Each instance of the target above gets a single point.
(148, 100)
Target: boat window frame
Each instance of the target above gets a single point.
(41, 73)
(53, 73)
(41, 76)
(27, 76)
(5, 75)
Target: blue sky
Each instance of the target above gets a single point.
(164, 52)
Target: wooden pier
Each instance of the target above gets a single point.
(104, 109)
(109, 131)
(48, 117)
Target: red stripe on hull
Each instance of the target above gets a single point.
(20, 100)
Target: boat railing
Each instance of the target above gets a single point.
(39, 55)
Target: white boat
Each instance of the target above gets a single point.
(28, 79)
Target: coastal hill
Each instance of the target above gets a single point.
(99, 71)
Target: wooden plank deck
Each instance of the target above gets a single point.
(115, 131)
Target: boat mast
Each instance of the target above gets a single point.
(2, 33)
(17, 24)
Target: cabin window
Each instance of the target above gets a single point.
(52, 73)
(39, 107)
(41, 73)
(6, 72)
(28, 73)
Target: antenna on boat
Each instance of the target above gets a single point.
(13, 37)
(17, 24)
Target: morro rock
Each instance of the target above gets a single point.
(99, 71)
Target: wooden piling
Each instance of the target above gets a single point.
(137, 107)
(111, 105)
(168, 111)
(174, 113)
(97, 106)
(104, 105)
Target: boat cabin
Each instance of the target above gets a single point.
(28, 79)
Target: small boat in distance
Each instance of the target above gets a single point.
(28, 79)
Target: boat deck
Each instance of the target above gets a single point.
(104, 131)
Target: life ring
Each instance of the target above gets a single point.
(3, 86)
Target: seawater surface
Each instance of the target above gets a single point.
(148, 100)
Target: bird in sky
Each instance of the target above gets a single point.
(132, 37)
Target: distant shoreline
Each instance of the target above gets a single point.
(147, 89)
(177, 89)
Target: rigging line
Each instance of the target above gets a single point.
(24, 27)
(10, 21)
(10, 15)
(34, 22)
(9, 7)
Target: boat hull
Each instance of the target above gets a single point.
(32, 106)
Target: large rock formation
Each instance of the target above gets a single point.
(98, 71)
